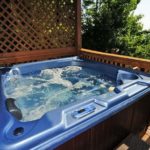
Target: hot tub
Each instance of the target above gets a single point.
(44, 104)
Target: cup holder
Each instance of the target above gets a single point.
(124, 76)
(129, 77)
(18, 131)
(119, 82)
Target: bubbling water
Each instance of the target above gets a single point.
(11, 81)
(55, 75)
(53, 88)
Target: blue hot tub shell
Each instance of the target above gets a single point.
(60, 125)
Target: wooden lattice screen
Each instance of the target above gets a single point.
(38, 29)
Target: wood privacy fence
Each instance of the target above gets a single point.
(38, 29)
(32, 30)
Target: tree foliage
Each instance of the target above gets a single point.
(111, 26)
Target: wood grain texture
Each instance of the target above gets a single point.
(141, 113)
(118, 60)
(26, 56)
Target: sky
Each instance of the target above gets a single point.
(144, 9)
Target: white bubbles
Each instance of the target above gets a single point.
(55, 75)
(81, 84)
(53, 88)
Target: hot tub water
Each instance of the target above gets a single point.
(48, 89)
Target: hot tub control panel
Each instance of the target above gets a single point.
(83, 111)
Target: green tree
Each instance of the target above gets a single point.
(143, 48)
(111, 26)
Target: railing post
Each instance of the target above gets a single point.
(78, 26)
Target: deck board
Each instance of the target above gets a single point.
(146, 136)
(133, 142)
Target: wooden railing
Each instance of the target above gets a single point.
(118, 60)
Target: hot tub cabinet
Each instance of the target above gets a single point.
(94, 123)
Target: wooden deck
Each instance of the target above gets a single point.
(133, 142)
(136, 142)
(146, 136)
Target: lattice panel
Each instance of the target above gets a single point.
(36, 24)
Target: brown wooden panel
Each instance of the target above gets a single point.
(67, 146)
(119, 60)
(80, 142)
(141, 114)
(109, 133)
(24, 56)
(83, 141)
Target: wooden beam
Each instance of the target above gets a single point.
(25, 56)
(78, 26)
